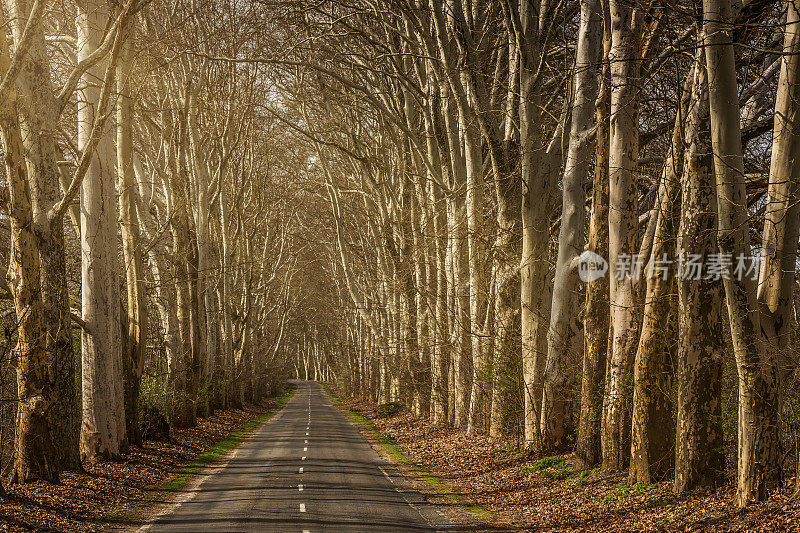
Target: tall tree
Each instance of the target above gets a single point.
(34, 453)
(103, 431)
(623, 224)
(565, 339)
(38, 119)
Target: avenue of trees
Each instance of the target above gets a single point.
(202, 199)
(471, 151)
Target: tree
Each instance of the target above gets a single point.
(623, 237)
(34, 454)
(565, 339)
(103, 431)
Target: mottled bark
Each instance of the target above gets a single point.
(758, 456)
(596, 314)
(103, 431)
(653, 425)
(565, 335)
(699, 457)
(623, 222)
(38, 112)
(34, 454)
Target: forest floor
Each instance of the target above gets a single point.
(114, 494)
(515, 491)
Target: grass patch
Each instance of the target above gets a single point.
(659, 501)
(581, 481)
(548, 462)
(222, 447)
(553, 468)
(390, 446)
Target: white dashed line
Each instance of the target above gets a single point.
(301, 470)
(306, 433)
(302, 508)
(306, 531)
(300, 488)
(306, 442)
(305, 449)
(303, 458)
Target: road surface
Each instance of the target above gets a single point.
(307, 469)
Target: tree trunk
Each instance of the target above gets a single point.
(38, 112)
(699, 458)
(207, 293)
(652, 439)
(34, 453)
(623, 223)
(477, 267)
(565, 340)
(103, 431)
(782, 218)
(758, 456)
(596, 319)
(186, 415)
(539, 175)
(458, 234)
(134, 347)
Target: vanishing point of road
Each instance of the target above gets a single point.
(307, 469)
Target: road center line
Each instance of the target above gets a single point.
(302, 508)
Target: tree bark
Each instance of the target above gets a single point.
(652, 440)
(623, 223)
(38, 112)
(758, 456)
(596, 319)
(699, 458)
(565, 337)
(782, 218)
(103, 431)
(34, 454)
(135, 337)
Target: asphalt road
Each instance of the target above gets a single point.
(307, 469)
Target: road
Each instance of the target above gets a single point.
(307, 469)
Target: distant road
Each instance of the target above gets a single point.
(306, 470)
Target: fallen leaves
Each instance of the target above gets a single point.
(526, 493)
(114, 493)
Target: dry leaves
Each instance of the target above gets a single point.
(113, 493)
(525, 493)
